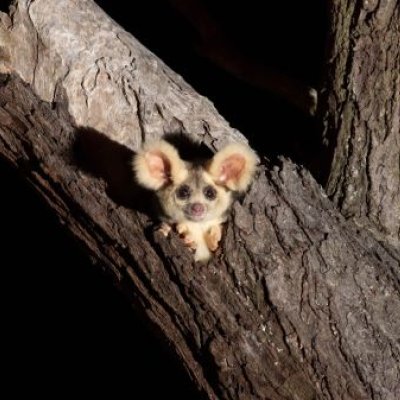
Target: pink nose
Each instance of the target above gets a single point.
(197, 208)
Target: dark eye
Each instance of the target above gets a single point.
(183, 192)
(210, 193)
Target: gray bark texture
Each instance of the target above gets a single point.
(362, 113)
(298, 303)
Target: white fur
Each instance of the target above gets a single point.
(158, 167)
(197, 232)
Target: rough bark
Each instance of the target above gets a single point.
(297, 304)
(362, 113)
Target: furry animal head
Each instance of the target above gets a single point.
(196, 192)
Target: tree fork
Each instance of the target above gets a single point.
(298, 303)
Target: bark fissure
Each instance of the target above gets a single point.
(298, 302)
(364, 179)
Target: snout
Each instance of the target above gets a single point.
(196, 210)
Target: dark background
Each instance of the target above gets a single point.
(65, 329)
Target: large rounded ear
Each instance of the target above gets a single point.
(233, 166)
(159, 164)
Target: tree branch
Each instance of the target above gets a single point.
(297, 304)
(362, 114)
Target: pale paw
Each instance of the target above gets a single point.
(186, 237)
(182, 229)
(189, 242)
(213, 237)
(164, 229)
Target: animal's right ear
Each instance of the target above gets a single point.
(158, 165)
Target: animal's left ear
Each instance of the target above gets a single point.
(233, 166)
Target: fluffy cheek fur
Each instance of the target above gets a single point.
(167, 200)
(217, 208)
(174, 208)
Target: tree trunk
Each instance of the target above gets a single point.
(297, 304)
(362, 113)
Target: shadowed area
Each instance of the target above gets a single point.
(104, 158)
(65, 329)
